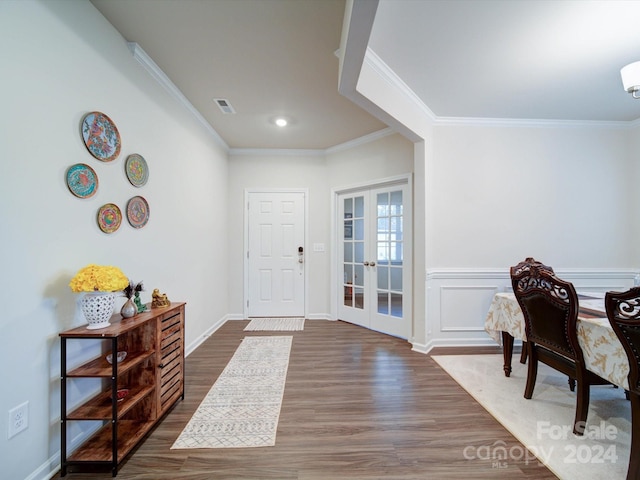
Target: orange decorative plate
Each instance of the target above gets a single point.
(109, 217)
(101, 137)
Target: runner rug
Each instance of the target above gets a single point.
(271, 323)
(243, 406)
(544, 424)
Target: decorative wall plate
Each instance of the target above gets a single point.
(137, 170)
(101, 136)
(109, 217)
(82, 180)
(138, 212)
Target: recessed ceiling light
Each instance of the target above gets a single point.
(280, 121)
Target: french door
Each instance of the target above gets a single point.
(373, 257)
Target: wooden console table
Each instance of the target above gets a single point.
(150, 380)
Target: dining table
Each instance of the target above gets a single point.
(603, 353)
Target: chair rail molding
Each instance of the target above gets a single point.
(458, 299)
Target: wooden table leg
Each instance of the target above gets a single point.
(507, 351)
(523, 354)
(634, 453)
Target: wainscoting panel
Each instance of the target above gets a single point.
(459, 306)
(458, 300)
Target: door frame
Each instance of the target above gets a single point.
(245, 287)
(336, 231)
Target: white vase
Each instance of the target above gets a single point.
(129, 309)
(98, 308)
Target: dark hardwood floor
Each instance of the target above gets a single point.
(357, 405)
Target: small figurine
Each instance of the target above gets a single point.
(159, 300)
(141, 308)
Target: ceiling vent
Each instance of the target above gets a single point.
(224, 105)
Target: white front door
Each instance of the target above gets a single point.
(374, 259)
(275, 254)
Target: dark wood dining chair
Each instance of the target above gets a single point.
(550, 309)
(525, 265)
(623, 311)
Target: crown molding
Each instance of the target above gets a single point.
(371, 137)
(281, 152)
(159, 76)
(528, 122)
(389, 76)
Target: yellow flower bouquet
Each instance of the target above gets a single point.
(98, 278)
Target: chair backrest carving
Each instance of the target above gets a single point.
(623, 311)
(549, 306)
(528, 264)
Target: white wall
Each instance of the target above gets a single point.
(61, 60)
(276, 171)
(386, 157)
(498, 194)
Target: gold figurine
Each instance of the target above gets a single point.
(159, 300)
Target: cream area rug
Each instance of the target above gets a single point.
(243, 406)
(271, 323)
(544, 424)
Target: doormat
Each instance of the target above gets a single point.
(243, 406)
(272, 323)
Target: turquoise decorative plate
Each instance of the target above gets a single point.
(138, 212)
(82, 180)
(109, 217)
(101, 137)
(137, 170)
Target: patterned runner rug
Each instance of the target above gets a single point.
(243, 406)
(271, 323)
(544, 424)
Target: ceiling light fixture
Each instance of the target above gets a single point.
(281, 122)
(631, 78)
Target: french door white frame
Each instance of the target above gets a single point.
(337, 231)
(245, 289)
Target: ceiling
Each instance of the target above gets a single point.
(525, 59)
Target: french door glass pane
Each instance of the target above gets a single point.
(389, 247)
(353, 257)
(396, 279)
(383, 278)
(396, 305)
(383, 303)
(359, 201)
(348, 252)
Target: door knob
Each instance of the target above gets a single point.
(366, 264)
(373, 264)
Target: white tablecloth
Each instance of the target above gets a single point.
(603, 353)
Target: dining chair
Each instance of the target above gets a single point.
(550, 309)
(523, 266)
(623, 312)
